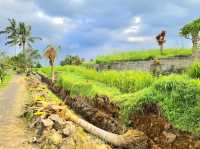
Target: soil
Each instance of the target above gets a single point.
(158, 129)
(13, 132)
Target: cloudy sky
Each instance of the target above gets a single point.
(91, 27)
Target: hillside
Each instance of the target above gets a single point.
(142, 55)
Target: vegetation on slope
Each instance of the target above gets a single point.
(177, 95)
(125, 81)
(142, 55)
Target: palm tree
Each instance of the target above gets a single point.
(19, 34)
(51, 54)
(24, 37)
(11, 31)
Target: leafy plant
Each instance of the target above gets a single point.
(194, 70)
(191, 31)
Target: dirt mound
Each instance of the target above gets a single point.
(160, 132)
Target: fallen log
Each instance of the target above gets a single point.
(132, 139)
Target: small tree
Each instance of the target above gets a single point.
(161, 40)
(71, 60)
(191, 31)
(51, 54)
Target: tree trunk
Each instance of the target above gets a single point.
(196, 41)
(161, 49)
(131, 139)
(52, 73)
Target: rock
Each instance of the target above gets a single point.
(55, 139)
(197, 145)
(56, 118)
(47, 123)
(170, 137)
(58, 122)
(69, 129)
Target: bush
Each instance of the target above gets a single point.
(194, 70)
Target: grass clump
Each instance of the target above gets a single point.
(83, 87)
(194, 70)
(177, 95)
(6, 80)
(125, 81)
(142, 55)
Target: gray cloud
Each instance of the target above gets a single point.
(91, 27)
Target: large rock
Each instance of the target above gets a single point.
(69, 129)
(48, 123)
(170, 137)
(58, 121)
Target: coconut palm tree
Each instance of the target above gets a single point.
(19, 34)
(11, 31)
(51, 54)
(24, 37)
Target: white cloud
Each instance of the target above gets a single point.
(61, 21)
(139, 39)
(137, 20)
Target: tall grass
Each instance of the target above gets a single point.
(194, 70)
(142, 55)
(126, 81)
(177, 95)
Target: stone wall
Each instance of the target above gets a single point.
(166, 64)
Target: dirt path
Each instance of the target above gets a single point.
(13, 133)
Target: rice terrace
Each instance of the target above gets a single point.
(91, 74)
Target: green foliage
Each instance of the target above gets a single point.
(194, 70)
(71, 60)
(6, 80)
(178, 96)
(19, 34)
(125, 81)
(81, 86)
(142, 55)
(190, 29)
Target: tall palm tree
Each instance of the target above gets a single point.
(11, 31)
(19, 34)
(24, 37)
(51, 54)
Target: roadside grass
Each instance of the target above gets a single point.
(142, 55)
(6, 81)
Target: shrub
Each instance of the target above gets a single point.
(194, 70)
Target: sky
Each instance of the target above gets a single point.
(96, 27)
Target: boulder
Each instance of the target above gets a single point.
(58, 121)
(69, 129)
(47, 123)
(170, 137)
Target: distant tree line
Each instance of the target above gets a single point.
(72, 60)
